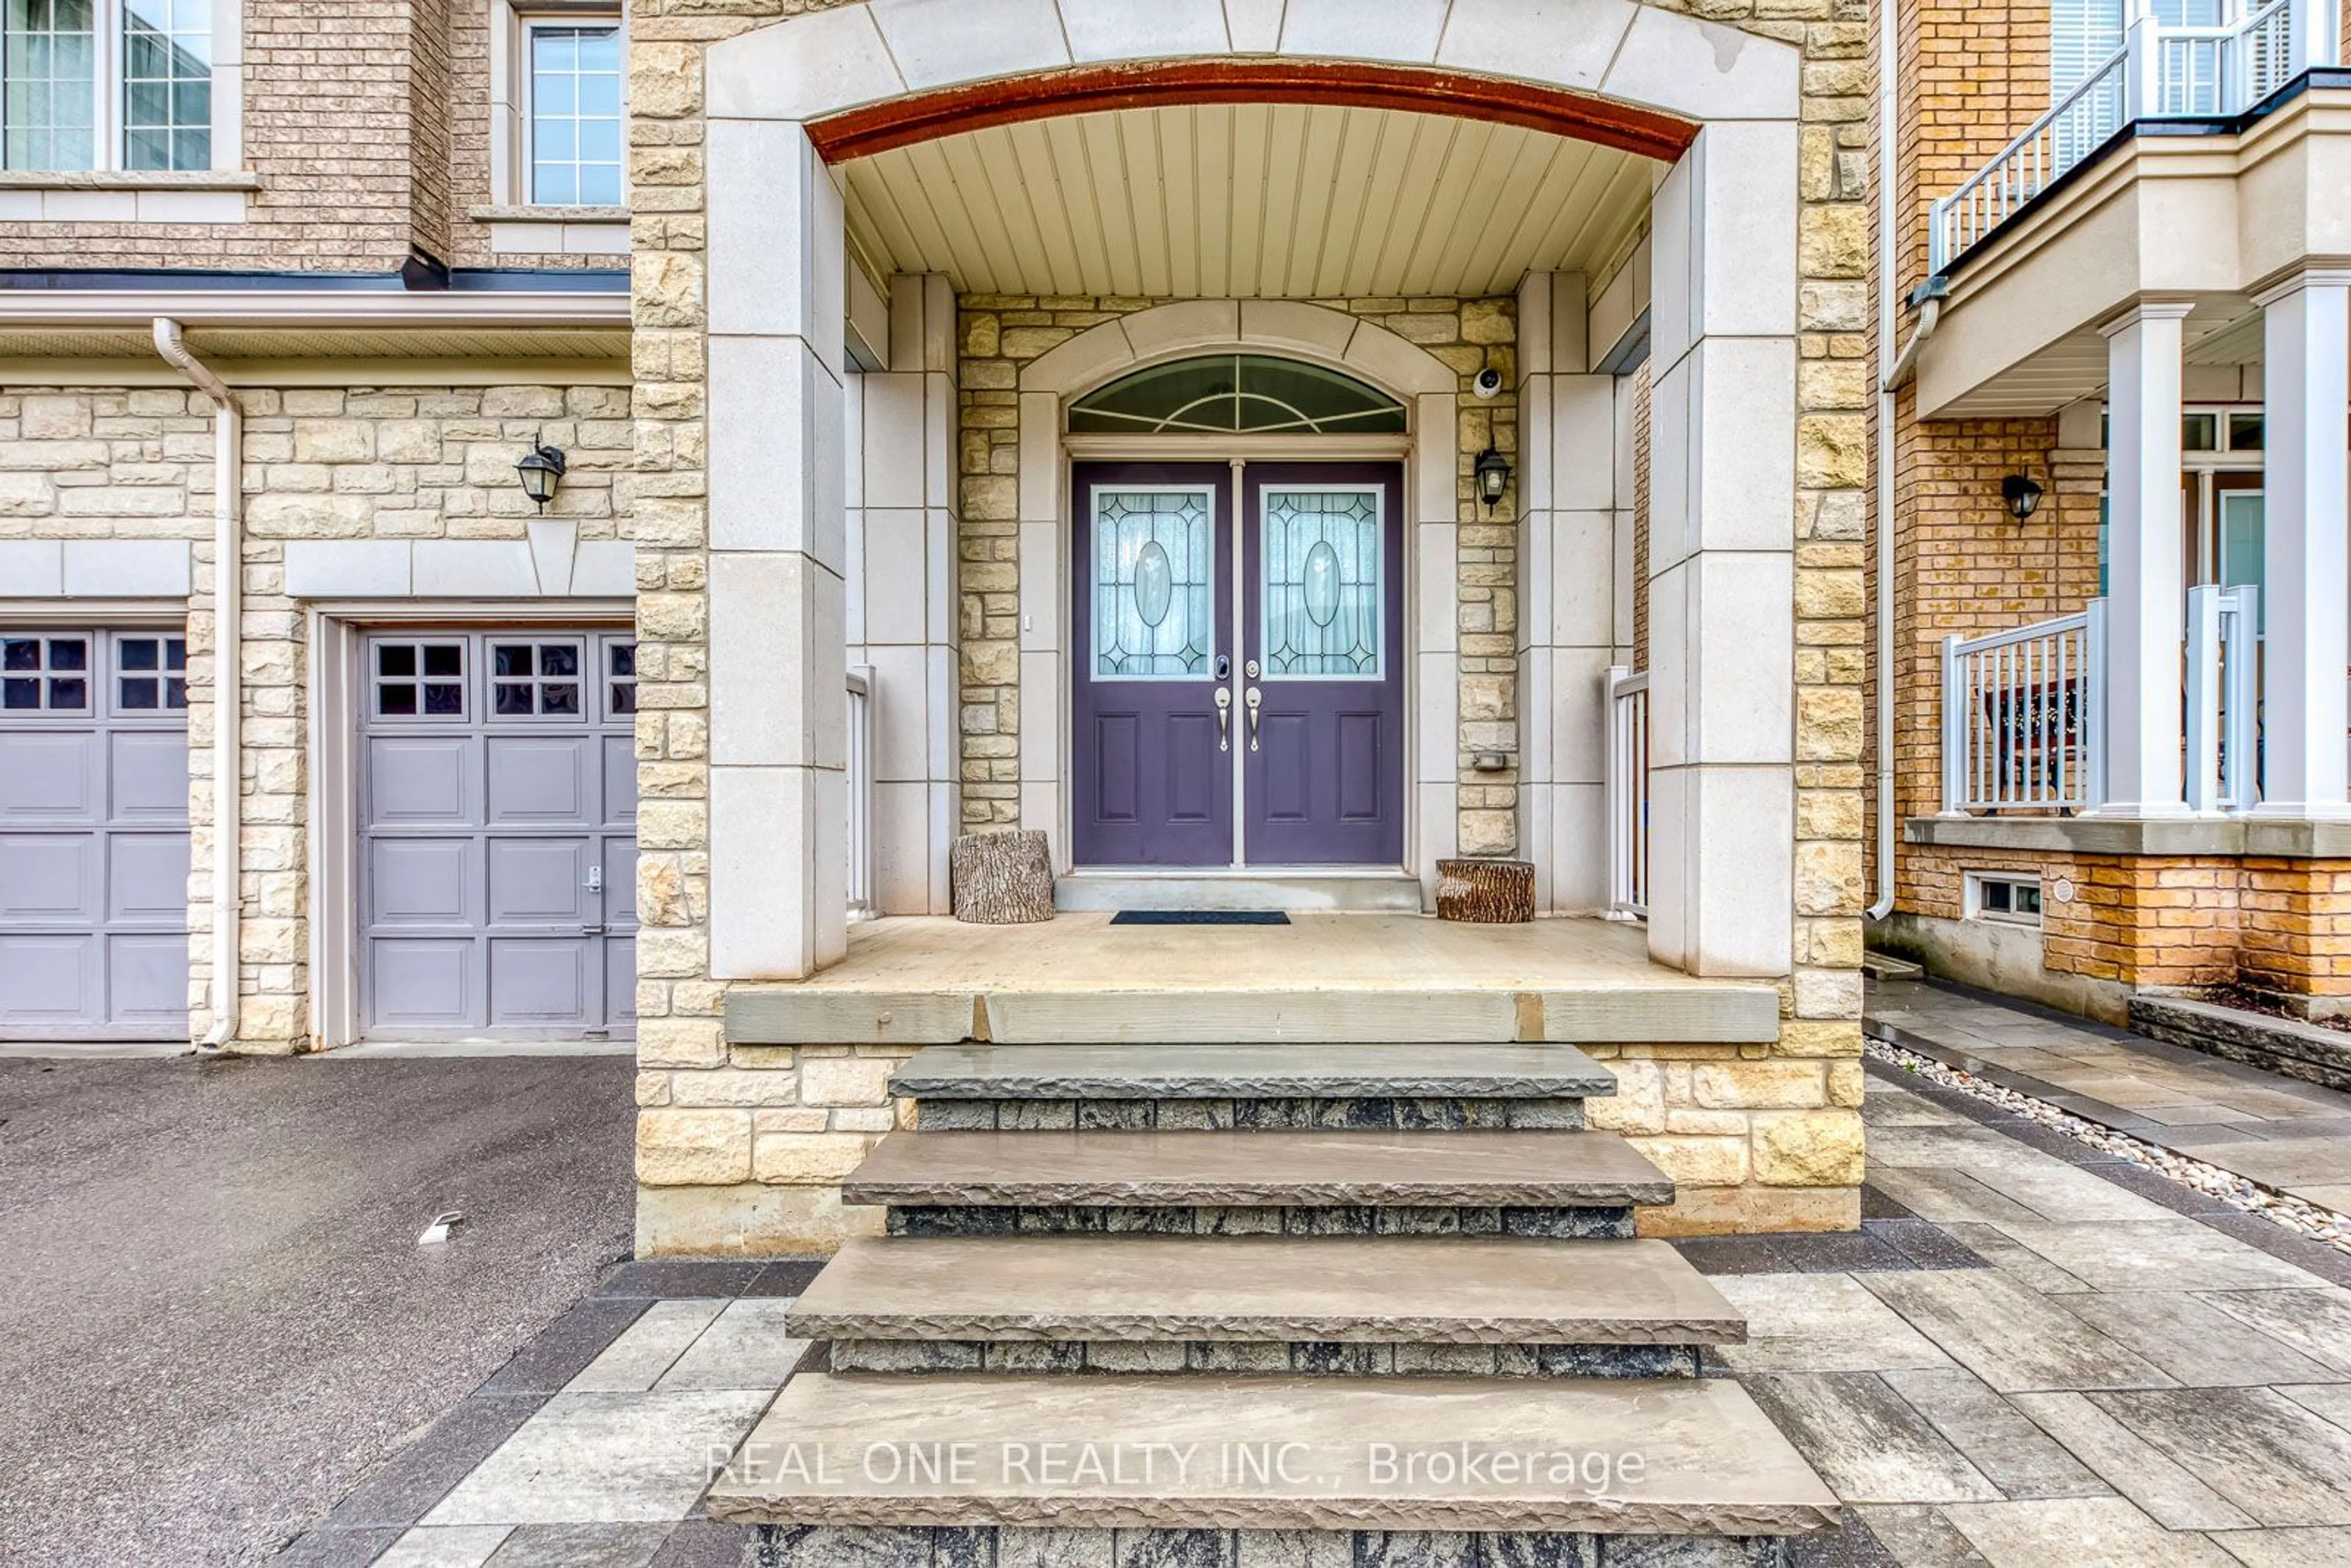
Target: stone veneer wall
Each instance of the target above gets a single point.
(396, 463)
(999, 334)
(731, 1160)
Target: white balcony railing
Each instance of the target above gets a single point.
(860, 794)
(1628, 792)
(2021, 729)
(2223, 699)
(2160, 71)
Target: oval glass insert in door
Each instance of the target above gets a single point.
(1324, 588)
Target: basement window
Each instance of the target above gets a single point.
(2013, 899)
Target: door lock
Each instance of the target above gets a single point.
(1253, 698)
(1250, 670)
(1224, 718)
(595, 878)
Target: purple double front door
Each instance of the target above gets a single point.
(1237, 660)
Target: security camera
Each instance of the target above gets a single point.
(1488, 383)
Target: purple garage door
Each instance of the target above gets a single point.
(93, 834)
(497, 853)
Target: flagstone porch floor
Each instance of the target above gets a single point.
(1335, 977)
(2030, 1348)
(1083, 951)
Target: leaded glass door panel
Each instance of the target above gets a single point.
(1322, 672)
(1152, 641)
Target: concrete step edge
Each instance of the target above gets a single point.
(1684, 1456)
(1439, 1290)
(1245, 1169)
(1253, 1071)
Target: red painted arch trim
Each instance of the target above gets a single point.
(1088, 90)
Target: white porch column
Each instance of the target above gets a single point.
(2146, 590)
(778, 635)
(904, 595)
(2306, 381)
(1722, 496)
(1567, 486)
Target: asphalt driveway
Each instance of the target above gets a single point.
(217, 1317)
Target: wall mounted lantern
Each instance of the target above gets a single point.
(542, 470)
(2021, 494)
(1493, 476)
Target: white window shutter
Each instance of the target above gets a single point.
(2083, 35)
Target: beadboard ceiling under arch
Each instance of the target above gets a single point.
(1253, 201)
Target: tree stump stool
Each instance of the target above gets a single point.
(1489, 893)
(1002, 878)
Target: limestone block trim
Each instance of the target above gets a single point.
(96, 569)
(846, 58)
(552, 562)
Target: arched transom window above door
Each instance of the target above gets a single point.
(1229, 393)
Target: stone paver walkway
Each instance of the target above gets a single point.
(2142, 1376)
(2278, 1133)
(2033, 1354)
(591, 1449)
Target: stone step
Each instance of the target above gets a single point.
(1257, 1170)
(1684, 1457)
(1232, 1071)
(1393, 1289)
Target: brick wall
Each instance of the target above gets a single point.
(999, 334)
(1973, 77)
(367, 122)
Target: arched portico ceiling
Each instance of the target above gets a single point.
(1256, 200)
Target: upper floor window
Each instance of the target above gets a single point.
(106, 84)
(572, 83)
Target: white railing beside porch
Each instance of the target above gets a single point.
(2160, 71)
(1628, 792)
(2022, 728)
(2223, 699)
(860, 794)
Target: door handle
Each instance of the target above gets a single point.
(1253, 698)
(1224, 718)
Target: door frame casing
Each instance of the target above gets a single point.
(1429, 450)
(333, 633)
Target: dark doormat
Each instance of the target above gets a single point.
(1199, 917)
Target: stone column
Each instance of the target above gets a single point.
(2306, 381)
(2145, 607)
(1722, 494)
(906, 595)
(778, 639)
(1567, 486)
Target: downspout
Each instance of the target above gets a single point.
(228, 683)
